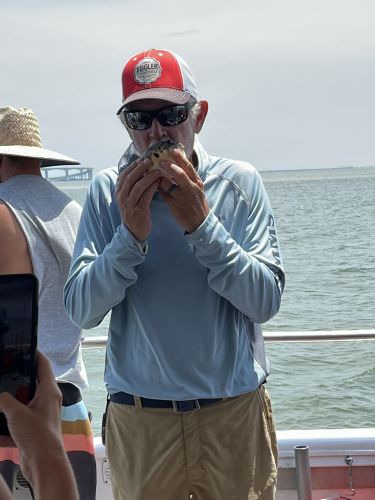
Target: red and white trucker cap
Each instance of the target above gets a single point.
(157, 74)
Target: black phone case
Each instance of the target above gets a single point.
(18, 292)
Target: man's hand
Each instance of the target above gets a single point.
(36, 431)
(135, 191)
(186, 199)
(38, 424)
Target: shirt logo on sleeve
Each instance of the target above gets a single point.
(273, 240)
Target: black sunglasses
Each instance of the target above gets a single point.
(168, 117)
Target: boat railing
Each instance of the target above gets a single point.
(325, 469)
(279, 336)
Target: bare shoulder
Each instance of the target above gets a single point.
(14, 252)
(8, 223)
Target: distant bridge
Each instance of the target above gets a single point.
(71, 173)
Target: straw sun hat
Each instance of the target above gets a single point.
(20, 136)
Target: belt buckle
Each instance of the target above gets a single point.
(186, 406)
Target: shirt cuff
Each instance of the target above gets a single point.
(132, 243)
(200, 234)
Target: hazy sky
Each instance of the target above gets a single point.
(290, 83)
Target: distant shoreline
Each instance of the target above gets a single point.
(271, 171)
(316, 168)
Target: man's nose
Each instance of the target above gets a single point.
(157, 131)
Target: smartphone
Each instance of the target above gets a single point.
(18, 337)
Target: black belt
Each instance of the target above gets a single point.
(179, 406)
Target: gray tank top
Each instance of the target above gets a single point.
(49, 220)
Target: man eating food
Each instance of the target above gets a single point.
(186, 258)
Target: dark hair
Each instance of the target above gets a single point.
(20, 160)
(15, 159)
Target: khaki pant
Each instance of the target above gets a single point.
(224, 451)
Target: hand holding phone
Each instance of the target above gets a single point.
(18, 337)
(36, 431)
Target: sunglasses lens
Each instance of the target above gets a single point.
(174, 115)
(168, 117)
(137, 120)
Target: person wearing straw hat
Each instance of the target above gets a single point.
(186, 258)
(38, 226)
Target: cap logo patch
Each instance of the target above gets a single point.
(147, 71)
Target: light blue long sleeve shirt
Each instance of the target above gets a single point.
(185, 315)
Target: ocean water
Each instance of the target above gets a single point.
(325, 220)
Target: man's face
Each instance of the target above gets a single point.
(183, 133)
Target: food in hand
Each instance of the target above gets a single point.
(159, 152)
